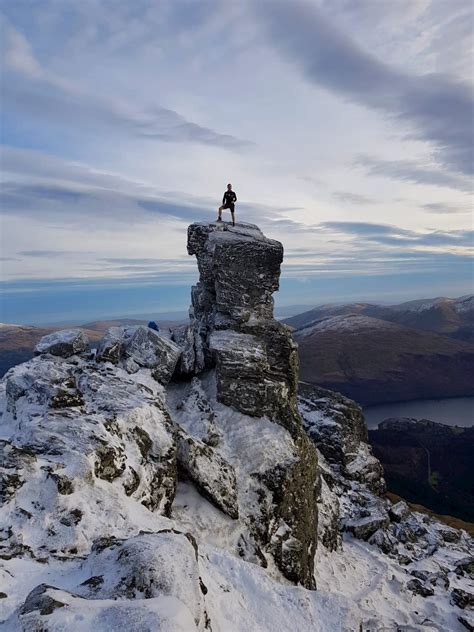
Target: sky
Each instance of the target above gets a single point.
(346, 129)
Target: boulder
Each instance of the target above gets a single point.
(149, 349)
(211, 473)
(63, 343)
(111, 346)
(448, 534)
(418, 588)
(384, 541)
(364, 521)
(144, 567)
(465, 565)
(183, 336)
(140, 347)
(399, 511)
(147, 582)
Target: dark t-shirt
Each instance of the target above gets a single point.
(229, 197)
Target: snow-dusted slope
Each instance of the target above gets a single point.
(85, 542)
(141, 492)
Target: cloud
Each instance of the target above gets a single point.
(388, 235)
(366, 228)
(412, 171)
(443, 208)
(32, 89)
(44, 253)
(352, 198)
(43, 186)
(434, 107)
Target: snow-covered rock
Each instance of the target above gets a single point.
(213, 475)
(99, 463)
(184, 337)
(147, 582)
(336, 426)
(140, 347)
(398, 511)
(63, 343)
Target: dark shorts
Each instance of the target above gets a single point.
(230, 205)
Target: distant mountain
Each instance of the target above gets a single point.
(428, 463)
(17, 342)
(375, 361)
(453, 317)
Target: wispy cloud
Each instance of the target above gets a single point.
(349, 197)
(33, 89)
(413, 171)
(445, 208)
(435, 108)
(402, 238)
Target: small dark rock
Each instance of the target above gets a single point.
(462, 598)
(417, 587)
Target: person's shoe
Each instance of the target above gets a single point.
(219, 219)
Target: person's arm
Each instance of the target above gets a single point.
(235, 197)
(223, 198)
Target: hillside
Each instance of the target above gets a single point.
(428, 463)
(375, 361)
(453, 317)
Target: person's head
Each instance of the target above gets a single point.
(229, 187)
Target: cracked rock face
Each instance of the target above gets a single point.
(254, 355)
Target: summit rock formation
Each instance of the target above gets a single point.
(177, 481)
(256, 372)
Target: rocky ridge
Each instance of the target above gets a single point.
(174, 482)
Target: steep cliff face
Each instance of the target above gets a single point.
(232, 318)
(255, 362)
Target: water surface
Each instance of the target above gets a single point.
(454, 411)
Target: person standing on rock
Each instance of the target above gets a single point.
(228, 201)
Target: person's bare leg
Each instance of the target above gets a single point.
(219, 216)
(233, 218)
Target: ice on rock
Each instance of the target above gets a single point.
(399, 511)
(63, 343)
